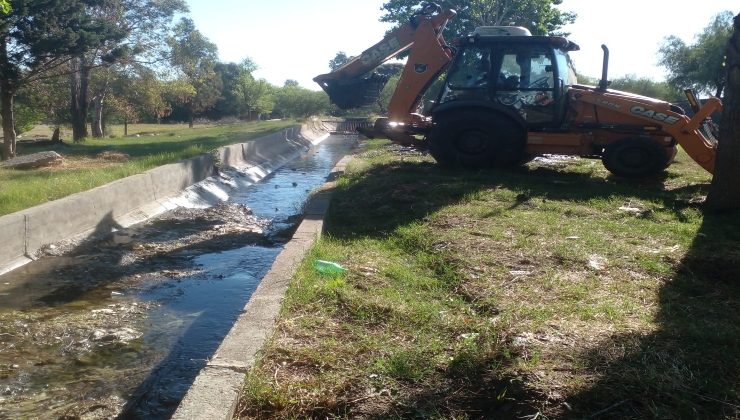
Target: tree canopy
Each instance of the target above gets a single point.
(541, 17)
(39, 37)
(77, 61)
(699, 66)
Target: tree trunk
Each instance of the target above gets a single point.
(125, 127)
(98, 125)
(80, 79)
(97, 122)
(724, 194)
(191, 118)
(7, 93)
(56, 137)
(6, 106)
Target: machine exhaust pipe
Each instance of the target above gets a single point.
(604, 82)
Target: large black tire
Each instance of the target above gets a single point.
(476, 139)
(637, 157)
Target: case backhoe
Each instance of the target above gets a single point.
(508, 96)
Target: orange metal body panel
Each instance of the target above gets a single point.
(614, 107)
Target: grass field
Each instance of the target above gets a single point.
(548, 291)
(95, 162)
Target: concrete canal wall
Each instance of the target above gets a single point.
(137, 198)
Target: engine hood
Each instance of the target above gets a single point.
(656, 103)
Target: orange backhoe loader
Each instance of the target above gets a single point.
(507, 96)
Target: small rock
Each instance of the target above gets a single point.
(597, 262)
(520, 273)
(35, 160)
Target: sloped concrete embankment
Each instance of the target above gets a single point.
(137, 198)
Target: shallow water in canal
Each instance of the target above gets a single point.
(122, 327)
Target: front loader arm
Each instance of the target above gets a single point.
(353, 85)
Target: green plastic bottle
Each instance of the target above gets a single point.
(328, 267)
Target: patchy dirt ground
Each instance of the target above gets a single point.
(67, 319)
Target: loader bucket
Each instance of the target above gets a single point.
(354, 93)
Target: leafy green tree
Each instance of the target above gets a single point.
(647, 87)
(228, 103)
(386, 94)
(145, 24)
(700, 65)
(255, 96)
(233, 77)
(542, 17)
(195, 58)
(338, 61)
(4, 7)
(49, 95)
(298, 102)
(38, 38)
(291, 83)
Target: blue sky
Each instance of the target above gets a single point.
(291, 39)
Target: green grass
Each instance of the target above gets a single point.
(503, 294)
(84, 169)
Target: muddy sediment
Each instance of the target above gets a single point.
(67, 312)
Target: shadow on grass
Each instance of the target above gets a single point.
(397, 194)
(688, 368)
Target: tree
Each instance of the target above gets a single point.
(291, 83)
(700, 65)
(255, 96)
(135, 92)
(50, 96)
(4, 7)
(298, 102)
(541, 17)
(339, 60)
(724, 194)
(647, 87)
(39, 37)
(233, 77)
(145, 23)
(195, 57)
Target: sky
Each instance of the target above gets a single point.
(295, 39)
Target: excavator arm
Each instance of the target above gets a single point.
(354, 84)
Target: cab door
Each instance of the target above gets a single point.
(525, 80)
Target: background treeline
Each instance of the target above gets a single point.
(89, 63)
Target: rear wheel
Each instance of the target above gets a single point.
(637, 157)
(476, 139)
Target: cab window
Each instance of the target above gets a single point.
(471, 69)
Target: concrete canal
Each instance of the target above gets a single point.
(121, 327)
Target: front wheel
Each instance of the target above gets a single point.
(476, 139)
(637, 157)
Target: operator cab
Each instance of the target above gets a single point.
(507, 67)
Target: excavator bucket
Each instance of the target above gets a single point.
(354, 93)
